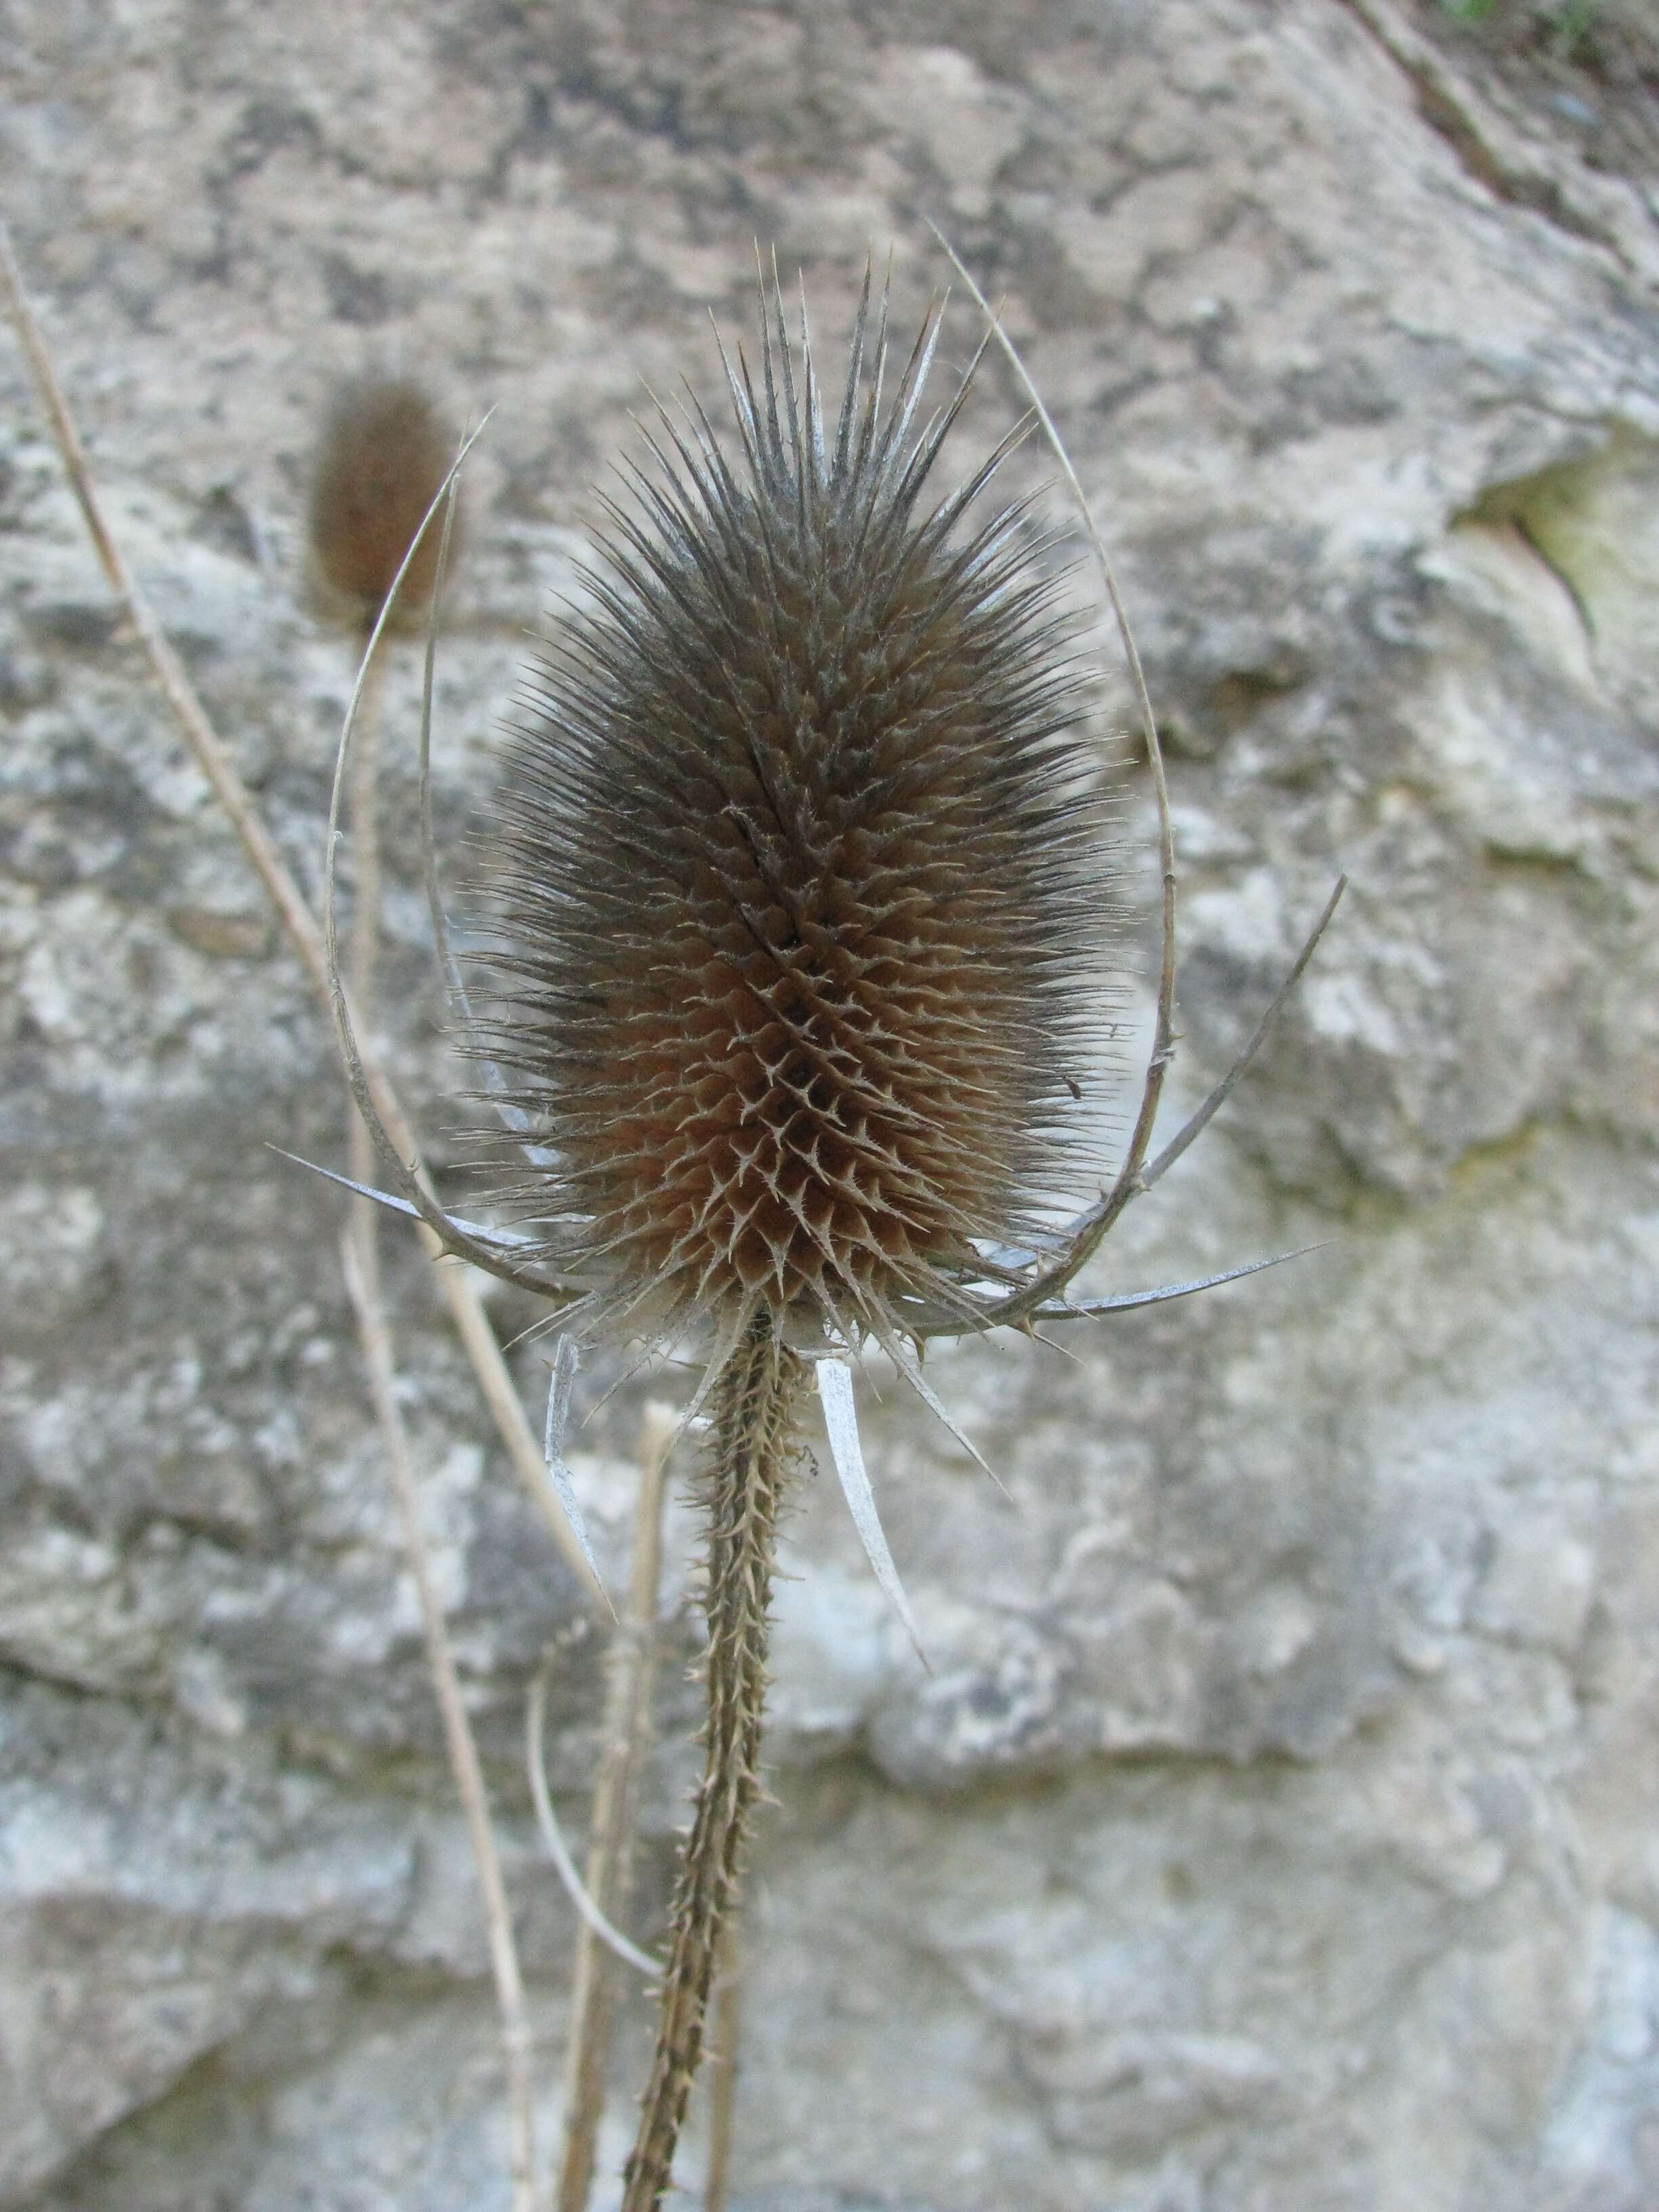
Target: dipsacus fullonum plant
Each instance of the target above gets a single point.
(802, 889)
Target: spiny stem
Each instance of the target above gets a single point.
(754, 1409)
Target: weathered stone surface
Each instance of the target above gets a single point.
(1276, 1825)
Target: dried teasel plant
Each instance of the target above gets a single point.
(801, 885)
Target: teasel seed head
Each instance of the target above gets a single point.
(383, 455)
(803, 881)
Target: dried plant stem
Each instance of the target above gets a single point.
(206, 748)
(365, 946)
(362, 1263)
(458, 1733)
(755, 1400)
(364, 954)
(723, 2069)
(197, 731)
(627, 1733)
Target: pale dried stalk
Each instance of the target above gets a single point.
(362, 1259)
(206, 748)
(366, 942)
(755, 1400)
(458, 1733)
(553, 1838)
(365, 949)
(723, 2069)
(627, 1733)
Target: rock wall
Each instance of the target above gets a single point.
(1276, 1827)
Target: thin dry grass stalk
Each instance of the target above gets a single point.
(365, 912)
(360, 1255)
(627, 1737)
(300, 924)
(362, 1285)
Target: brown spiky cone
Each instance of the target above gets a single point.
(802, 880)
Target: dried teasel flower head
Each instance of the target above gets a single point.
(802, 892)
(804, 880)
(383, 455)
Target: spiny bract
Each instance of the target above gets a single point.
(804, 881)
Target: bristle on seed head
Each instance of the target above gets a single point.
(383, 455)
(803, 888)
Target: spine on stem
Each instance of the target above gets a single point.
(755, 1401)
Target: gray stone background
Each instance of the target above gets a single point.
(1277, 1827)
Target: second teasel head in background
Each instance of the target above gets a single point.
(383, 454)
